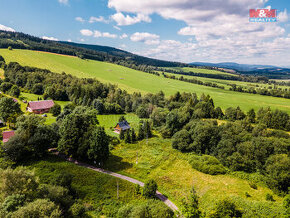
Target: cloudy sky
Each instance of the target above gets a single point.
(177, 30)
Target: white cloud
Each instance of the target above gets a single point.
(69, 40)
(117, 28)
(65, 2)
(283, 16)
(6, 28)
(86, 32)
(147, 38)
(49, 38)
(220, 30)
(97, 34)
(98, 19)
(109, 35)
(80, 19)
(123, 36)
(123, 20)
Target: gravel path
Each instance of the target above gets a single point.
(129, 179)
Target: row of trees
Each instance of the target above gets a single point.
(240, 147)
(106, 98)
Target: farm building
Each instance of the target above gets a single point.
(39, 107)
(7, 135)
(124, 125)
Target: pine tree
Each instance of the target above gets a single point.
(122, 135)
(128, 136)
(147, 130)
(133, 135)
(141, 131)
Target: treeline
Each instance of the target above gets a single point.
(108, 99)
(17, 40)
(275, 92)
(254, 79)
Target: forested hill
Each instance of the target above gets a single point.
(95, 52)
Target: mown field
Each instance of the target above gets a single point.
(199, 70)
(133, 80)
(109, 121)
(227, 83)
(155, 158)
(98, 191)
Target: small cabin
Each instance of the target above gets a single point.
(39, 107)
(124, 125)
(7, 135)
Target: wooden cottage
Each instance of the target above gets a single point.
(39, 107)
(124, 125)
(7, 135)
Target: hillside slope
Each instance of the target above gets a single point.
(137, 81)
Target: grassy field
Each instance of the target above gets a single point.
(226, 83)
(109, 121)
(199, 70)
(154, 158)
(95, 189)
(133, 80)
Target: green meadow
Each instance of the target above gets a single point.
(98, 191)
(137, 81)
(200, 70)
(155, 158)
(110, 121)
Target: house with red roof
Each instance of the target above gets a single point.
(39, 107)
(7, 135)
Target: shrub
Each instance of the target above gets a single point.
(253, 185)
(55, 110)
(77, 210)
(38, 208)
(13, 202)
(207, 164)
(226, 208)
(269, 197)
(150, 188)
(248, 195)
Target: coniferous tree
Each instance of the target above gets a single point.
(122, 135)
(133, 136)
(141, 134)
(127, 136)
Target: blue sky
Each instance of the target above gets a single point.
(177, 30)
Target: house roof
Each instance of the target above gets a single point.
(7, 135)
(38, 105)
(124, 125)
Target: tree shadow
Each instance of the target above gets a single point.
(116, 163)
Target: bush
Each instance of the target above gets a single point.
(77, 210)
(226, 208)
(13, 202)
(150, 188)
(151, 208)
(269, 197)
(55, 110)
(253, 185)
(38, 208)
(207, 164)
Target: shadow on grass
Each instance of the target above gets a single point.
(115, 163)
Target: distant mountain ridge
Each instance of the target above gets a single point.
(250, 69)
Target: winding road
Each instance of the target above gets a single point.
(129, 179)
